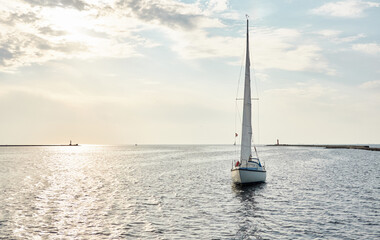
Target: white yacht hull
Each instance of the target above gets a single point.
(246, 175)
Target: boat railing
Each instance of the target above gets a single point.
(256, 161)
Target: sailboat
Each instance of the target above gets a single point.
(248, 169)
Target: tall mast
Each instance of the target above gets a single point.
(246, 136)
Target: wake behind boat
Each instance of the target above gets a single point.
(248, 169)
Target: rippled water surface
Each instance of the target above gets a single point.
(185, 192)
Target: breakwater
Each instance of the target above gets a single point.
(42, 145)
(360, 147)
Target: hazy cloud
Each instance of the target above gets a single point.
(59, 28)
(273, 48)
(12, 18)
(169, 13)
(218, 5)
(368, 48)
(4, 55)
(347, 9)
(78, 4)
(20, 50)
(175, 14)
(336, 36)
(371, 85)
(287, 49)
(117, 29)
(49, 31)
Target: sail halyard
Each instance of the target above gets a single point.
(246, 136)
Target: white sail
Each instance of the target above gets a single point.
(246, 136)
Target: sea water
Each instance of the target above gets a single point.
(185, 192)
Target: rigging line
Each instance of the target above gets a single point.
(253, 64)
(237, 113)
(258, 123)
(257, 92)
(240, 120)
(255, 80)
(241, 67)
(257, 130)
(236, 138)
(254, 145)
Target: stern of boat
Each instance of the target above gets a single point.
(235, 175)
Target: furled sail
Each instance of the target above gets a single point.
(246, 136)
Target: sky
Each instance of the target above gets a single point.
(169, 71)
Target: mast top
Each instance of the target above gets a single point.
(246, 16)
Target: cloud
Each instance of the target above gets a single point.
(371, 85)
(122, 29)
(13, 17)
(77, 4)
(47, 30)
(329, 33)
(218, 5)
(305, 91)
(20, 50)
(272, 48)
(368, 48)
(87, 29)
(169, 13)
(4, 55)
(287, 49)
(55, 31)
(346, 9)
(335, 36)
(198, 44)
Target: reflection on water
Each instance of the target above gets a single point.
(64, 196)
(249, 211)
(171, 192)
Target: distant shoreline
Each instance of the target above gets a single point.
(42, 145)
(360, 147)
